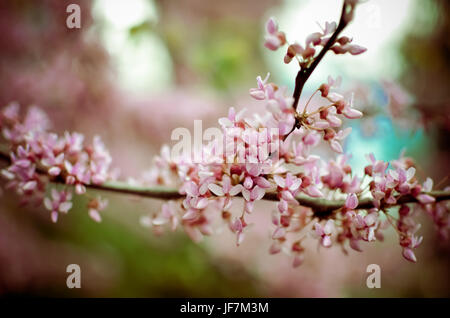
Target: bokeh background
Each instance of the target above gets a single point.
(137, 69)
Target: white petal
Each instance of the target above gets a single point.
(94, 215)
(328, 228)
(65, 207)
(235, 190)
(48, 204)
(279, 180)
(225, 122)
(190, 214)
(295, 184)
(428, 185)
(216, 189)
(54, 216)
(410, 173)
(246, 194)
(145, 221)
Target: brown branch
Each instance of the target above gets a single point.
(322, 208)
(305, 72)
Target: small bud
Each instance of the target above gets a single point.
(324, 89)
(340, 105)
(344, 40)
(329, 134)
(308, 52)
(368, 170)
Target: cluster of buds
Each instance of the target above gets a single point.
(305, 54)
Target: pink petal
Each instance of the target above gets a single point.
(354, 244)
(275, 248)
(235, 190)
(279, 233)
(328, 228)
(263, 182)
(192, 189)
(272, 42)
(225, 122)
(425, 198)
(216, 189)
(48, 204)
(314, 192)
(65, 207)
(248, 206)
(246, 194)
(286, 195)
(282, 206)
(352, 113)
(54, 171)
(30, 185)
(240, 238)
(336, 146)
(298, 260)
(351, 202)
(80, 189)
(226, 183)
(257, 193)
(257, 94)
(279, 180)
(190, 215)
(326, 241)
(409, 255)
(248, 182)
(319, 230)
(295, 185)
(54, 216)
(271, 26)
(202, 203)
(94, 215)
(236, 226)
(356, 49)
(427, 185)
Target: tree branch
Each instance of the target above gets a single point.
(305, 72)
(322, 208)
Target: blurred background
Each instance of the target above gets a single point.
(137, 69)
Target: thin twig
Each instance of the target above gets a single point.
(305, 72)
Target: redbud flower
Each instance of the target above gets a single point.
(58, 203)
(325, 232)
(274, 38)
(95, 206)
(260, 92)
(427, 187)
(351, 202)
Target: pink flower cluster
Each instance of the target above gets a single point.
(39, 157)
(210, 189)
(315, 196)
(275, 39)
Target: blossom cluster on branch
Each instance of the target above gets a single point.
(287, 170)
(38, 156)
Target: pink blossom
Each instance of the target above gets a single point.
(324, 232)
(95, 206)
(259, 93)
(290, 186)
(351, 202)
(273, 38)
(60, 202)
